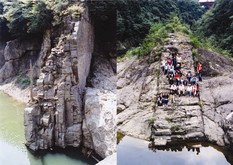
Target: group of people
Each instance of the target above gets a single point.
(180, 84)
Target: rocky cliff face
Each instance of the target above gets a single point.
(17, 55)
(55, 117)
(205, 118)
(99, 125)
(64, 112)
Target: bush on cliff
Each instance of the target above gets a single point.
(217, 26)
(30, 17)
(158, 34)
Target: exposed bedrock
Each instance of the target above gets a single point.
(17, 55)
(74, 95)
(59, 89)
(205, 118)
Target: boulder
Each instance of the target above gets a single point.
(99, 125)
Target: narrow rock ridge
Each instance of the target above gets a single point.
(182, 119)
(207, 118)
(56, 115)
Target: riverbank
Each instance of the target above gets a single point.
(14, 91)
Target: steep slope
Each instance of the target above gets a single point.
(200, 119)
(55, 115)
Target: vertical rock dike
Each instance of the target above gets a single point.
(55, 116)
(65, 111)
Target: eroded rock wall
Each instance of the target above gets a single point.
(16, 56)
(99, 125)
(55, 116)
(207, 118)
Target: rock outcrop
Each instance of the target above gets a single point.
(17, 56)
(207, 118)
(216, 98)
(74, 97)
(56, 115)
(214, 64)
(99, 125)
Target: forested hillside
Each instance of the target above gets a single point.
(136, 17)
(217, 25)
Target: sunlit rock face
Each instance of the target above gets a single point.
(203, 118)
(74, 95)
(99, 125)
(58, 91)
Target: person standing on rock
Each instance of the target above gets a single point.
(163, 63)
(189, 76)
(199, 71)
(179, 59)
(174, 62)
(181, 89)
(166, 69)
(194, 89)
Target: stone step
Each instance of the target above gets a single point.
(162, 132)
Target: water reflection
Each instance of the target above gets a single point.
(134, 151)
(14, 152)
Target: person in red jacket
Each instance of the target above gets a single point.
(199, 71)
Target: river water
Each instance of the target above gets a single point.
(133, 151)
(12, 149)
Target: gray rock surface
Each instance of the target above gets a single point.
(99, 125)
(58, 92)
(17, 56)
(205, 118)
(217, 102)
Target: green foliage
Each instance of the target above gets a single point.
(28, 17)
(34, 17)
(189, 11)
(196, 42)
(157, 35)
(217, 26)
(175, 25)
(150, 121)
(23, 81)
(175, 128)
(62, 8)
(135, 18)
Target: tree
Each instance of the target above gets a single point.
(189, 11)
(29, 17)
(135, 18)
(217, 25)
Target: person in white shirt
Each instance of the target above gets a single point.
(181, 89)
(163, 63)
(166, 67)
(173, 91)
(189, 90)
(178, 59)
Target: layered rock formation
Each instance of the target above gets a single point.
(17, 56)
(65, 110)
(99, 125)
(55, 117)
(206, 118)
